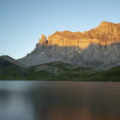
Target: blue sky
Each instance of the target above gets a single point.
(23, 21)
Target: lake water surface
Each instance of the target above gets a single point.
(26, 100)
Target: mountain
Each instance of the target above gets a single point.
(11, 69)
(12, 61)
(93, 55)
(97, 48)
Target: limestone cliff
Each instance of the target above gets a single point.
(99, 47)
(43, 40)
(105, 34)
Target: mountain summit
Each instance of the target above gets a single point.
(98, 47)
(106, 33)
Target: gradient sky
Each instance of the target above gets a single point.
(23, 21)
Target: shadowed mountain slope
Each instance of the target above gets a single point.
(11, 69)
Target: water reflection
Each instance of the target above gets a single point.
(59, 101)
(15, 106)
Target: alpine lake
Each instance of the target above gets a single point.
(47, 100)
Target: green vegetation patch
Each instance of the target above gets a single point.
(57, 71)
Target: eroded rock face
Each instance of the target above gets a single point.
(105, 34)
(99, 47)
(43, 42)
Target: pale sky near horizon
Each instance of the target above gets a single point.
(23, 21)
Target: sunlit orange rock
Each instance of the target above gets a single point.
(43, 40)
(105, 34)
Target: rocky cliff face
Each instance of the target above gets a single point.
(99, 47)
(105, 34)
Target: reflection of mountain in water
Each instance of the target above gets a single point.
(16, 105)
(59, 101)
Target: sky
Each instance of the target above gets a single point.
(23, 21)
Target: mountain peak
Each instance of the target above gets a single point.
(43, 40)
(105, 24)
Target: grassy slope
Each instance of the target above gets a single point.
(65, 72)
(44, 74)
(76, 74)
